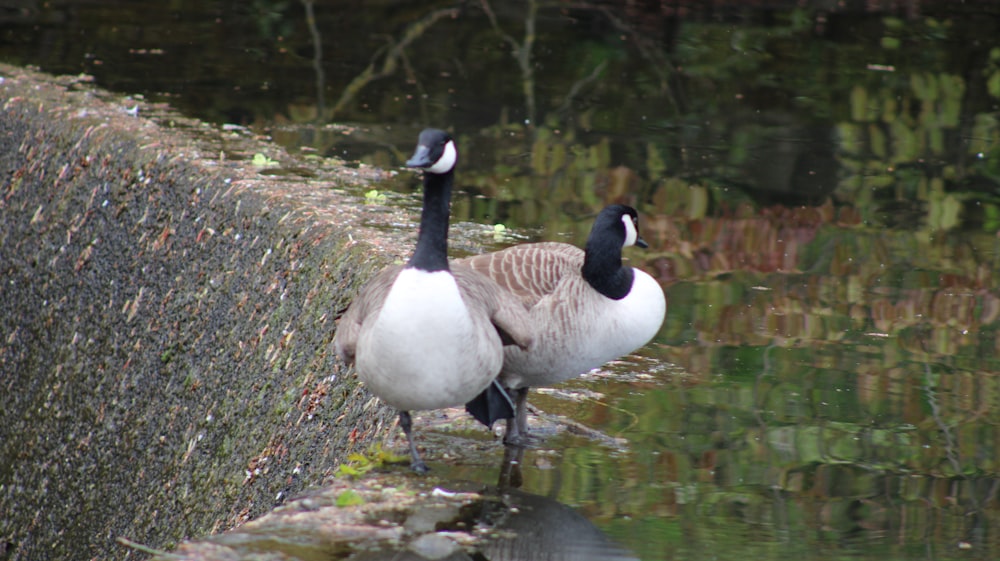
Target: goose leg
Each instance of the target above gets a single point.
(416, 463)
(521, 406)
(517, 427)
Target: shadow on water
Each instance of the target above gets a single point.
(540, 527)
(520, 526)
(532, 526)
(819, 184)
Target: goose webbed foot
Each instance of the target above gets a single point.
(416, 462)
(520, 440)
(518, 435)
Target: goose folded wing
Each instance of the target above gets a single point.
(366, 305)
(529, 271)
(507, 313)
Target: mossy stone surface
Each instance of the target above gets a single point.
(166, 313)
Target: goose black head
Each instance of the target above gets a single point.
(435, 153)
(624, 221)
(616, 227)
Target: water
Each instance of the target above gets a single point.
(819, 187)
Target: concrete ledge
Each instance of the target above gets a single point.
(165, 317)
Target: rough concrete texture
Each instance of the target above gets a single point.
(166, 310)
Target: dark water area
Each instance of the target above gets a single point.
(819, 183)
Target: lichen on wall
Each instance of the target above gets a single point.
(165, 319)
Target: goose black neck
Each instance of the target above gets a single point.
(432, 241)
(602, 266)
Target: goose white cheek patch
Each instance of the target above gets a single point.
(630, 232)
(447, 160)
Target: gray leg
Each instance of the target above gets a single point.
(416, 463)
(517, 427)
(521, 411)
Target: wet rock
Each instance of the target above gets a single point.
(435, 547)
(389, 515)
(399, 516)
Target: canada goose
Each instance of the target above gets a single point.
(423, 336)
(586, 308)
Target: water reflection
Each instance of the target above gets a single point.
(685, 108)
(543, 528)
(514, 525)
(727, 469)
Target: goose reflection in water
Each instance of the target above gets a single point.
(519, 526)
(533, 527)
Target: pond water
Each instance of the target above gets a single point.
(819, 184)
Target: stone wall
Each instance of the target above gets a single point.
(166, 310)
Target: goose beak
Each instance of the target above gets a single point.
(639, 242)
(421, 158)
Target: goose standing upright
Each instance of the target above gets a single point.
(422, 336)
(586, 309)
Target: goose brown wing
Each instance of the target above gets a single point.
(485, 298)
(529, 271)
